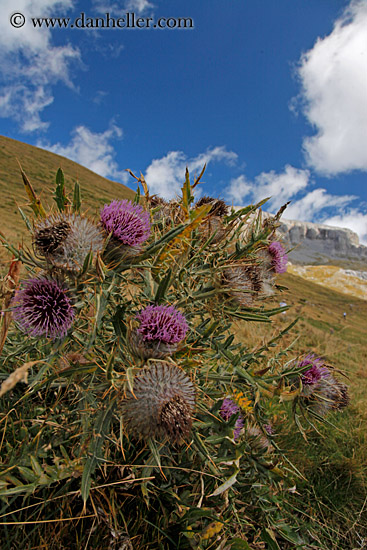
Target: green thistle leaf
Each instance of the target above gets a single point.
(60, 197)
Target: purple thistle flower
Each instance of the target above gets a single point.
(227, 410)
(279, 257)
(316, 371)
(269, 429)
(163, 323)
(129, 223)
(42, 308)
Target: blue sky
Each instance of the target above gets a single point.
(272, 95)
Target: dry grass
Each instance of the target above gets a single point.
(334, 464)
(321, 329)
(41, 167)
(334, 460)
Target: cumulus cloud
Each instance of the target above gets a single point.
(239, 190)
(306, 205)
(280, 187)
(352, 219)
(93, 150)
(334, 91)
(136, 6)
(165, 175)
(30, 64)
(313, 202)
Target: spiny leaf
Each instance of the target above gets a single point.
(102, 425)
(197, 180)
(155, 453)
(137, 196)
(162, 287)
(226, 485)
(186, 194)
(35, 202)
(77, 201)
(118, 321)
(180, 244)
(60, 196)
(26, 220)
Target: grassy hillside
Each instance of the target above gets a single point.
(41, 167)
(332, 495)
(332, 498)
(333, 277)
(321, 329)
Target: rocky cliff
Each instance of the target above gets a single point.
(322, 244)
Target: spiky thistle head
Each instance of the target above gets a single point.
(243, 283)
(162, 404)
(269, 429)
(42, 307)
(159, 332)
(315, 371)
(279, 257)
(128, 223)
(321, 391)
(65, 240)
(256, 438)
(161, 208)
(227, 410)
(327, 395)
(219, 207)
(212, 225)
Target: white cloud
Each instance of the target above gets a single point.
(238, 190)
(165, 176)
(30, 64)
(334, 91)
(354, 220)
(138, 5)
(311, 204)
(93, 150)
(292, 184)
(135, 6)
(280, 187)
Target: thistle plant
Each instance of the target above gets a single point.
(64, 240)
(158, 332)
(43, 308)
(140, 406)
(161, 403)
(128, 226)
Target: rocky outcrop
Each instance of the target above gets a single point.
(322, 244)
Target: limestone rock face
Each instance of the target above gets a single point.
(322, 244)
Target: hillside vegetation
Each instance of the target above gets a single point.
(331, 497)
(334, 277)
(41, 167)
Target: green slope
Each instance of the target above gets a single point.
(333, 461)
(41, 167)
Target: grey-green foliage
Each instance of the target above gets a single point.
(65, 450)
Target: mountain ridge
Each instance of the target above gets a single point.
(319, 244)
